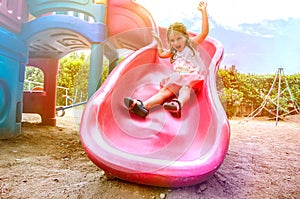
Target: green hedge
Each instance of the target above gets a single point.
(252, 89)
(235, 89)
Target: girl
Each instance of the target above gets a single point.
(187, 65)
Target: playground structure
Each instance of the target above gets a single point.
(280, 112)
(51, 35)
(177, 153)
(41, 42)
(159, 150)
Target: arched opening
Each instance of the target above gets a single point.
(34, 79)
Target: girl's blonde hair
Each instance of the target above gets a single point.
(181, 28)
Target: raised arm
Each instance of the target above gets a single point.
(163, 53)
(205, 26)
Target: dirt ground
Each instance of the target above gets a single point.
(263, 161)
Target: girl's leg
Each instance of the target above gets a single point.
(174, 107)
(142, 108)
(184, 95)
(161, 96)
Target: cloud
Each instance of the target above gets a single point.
(258, 35)
(231, 14)
(168, 11)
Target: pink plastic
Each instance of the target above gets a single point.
(159, 150)
(12, 14)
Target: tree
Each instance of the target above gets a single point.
(35, 76)
(69, 68)
(74, 75)
(238, 89)
(230, 96)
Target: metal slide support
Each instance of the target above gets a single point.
(278, 98)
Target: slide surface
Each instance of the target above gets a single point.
(159, 150)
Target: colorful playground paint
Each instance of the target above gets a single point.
(41, 42)
(159, 150)
(13, 56)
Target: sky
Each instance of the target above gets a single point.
(259, 36)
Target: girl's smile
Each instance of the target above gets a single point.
(177, 41)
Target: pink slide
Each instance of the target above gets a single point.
(159, 150)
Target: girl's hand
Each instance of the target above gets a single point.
(155, 36)
(202, 6)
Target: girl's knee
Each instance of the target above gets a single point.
(185, 89)
(165, 92)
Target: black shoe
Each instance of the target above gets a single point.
(136, 107)
(173, 107)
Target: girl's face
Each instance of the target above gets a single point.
(177, 41)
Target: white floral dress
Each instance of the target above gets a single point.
(189, 69)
